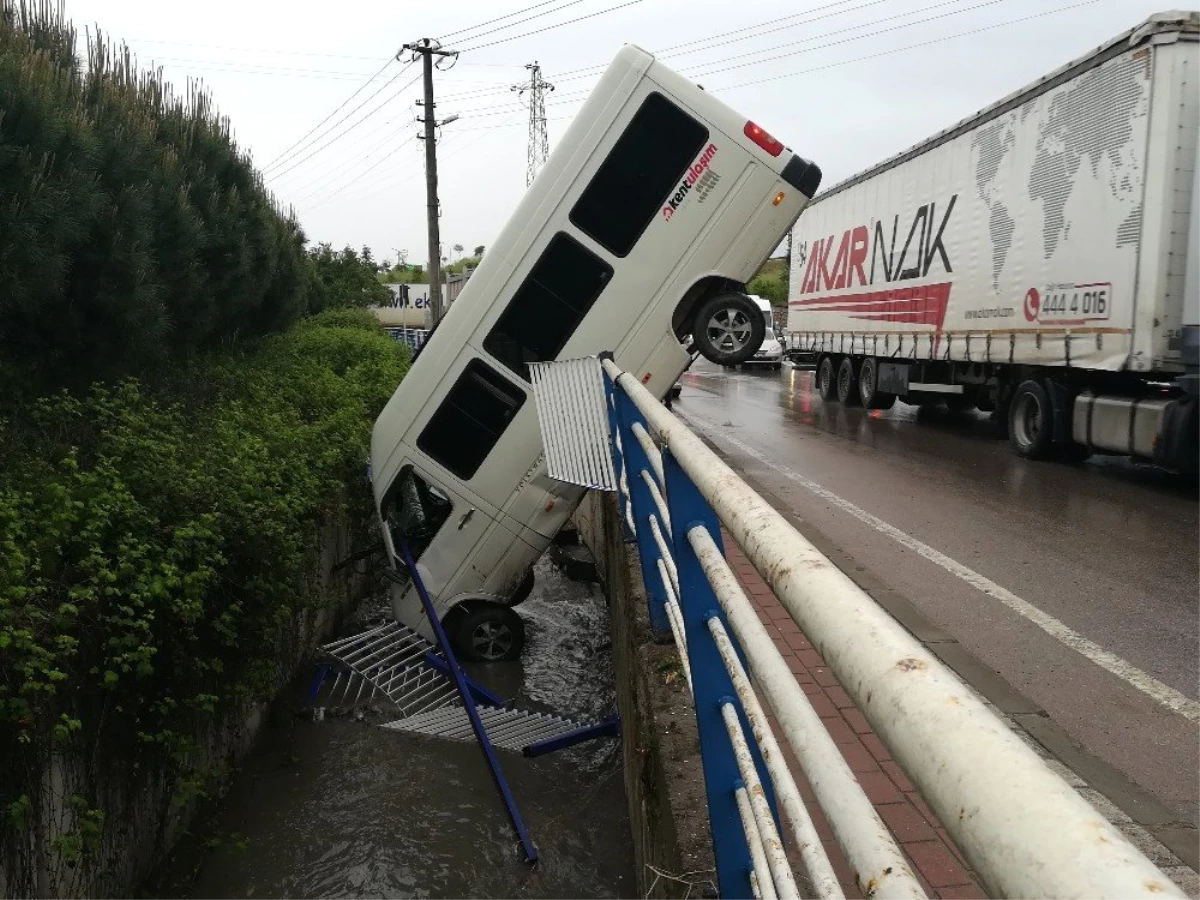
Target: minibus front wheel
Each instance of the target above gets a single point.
(485, 631)
(728, 328)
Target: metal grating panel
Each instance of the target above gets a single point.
(388, 661)
(573, 417)
(509, 729)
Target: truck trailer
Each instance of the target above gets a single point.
(1037, 260)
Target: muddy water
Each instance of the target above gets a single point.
(341, 808)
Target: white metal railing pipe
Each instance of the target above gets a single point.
(1026, 832)
(652, 451)
(812, 853)
(675, 617)
(760, 876)
(660, 502)
(879, 865)
(777, 863)
(664, 551)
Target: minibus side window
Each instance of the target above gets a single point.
(643, 169)
(549, 305)
(471, 419)
(415, 512)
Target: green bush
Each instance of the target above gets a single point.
(133, 230)
(154, 543)
(771, 287)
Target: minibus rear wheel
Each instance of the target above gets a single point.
(486, 631)
(728, 328)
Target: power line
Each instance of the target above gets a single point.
(365, 172)
(866, 57)
(940, 40)
(334, 112)
(900, 27)
(318, 184)
(668, 53)
(216, 65)
(517, 37)
(248, 49)
(483, 112)
(527, 19)
(802, 15)
(805, 18)
(497, 19)
(338, 136)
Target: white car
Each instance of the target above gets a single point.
(769, 354)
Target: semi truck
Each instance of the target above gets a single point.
(1037, 260)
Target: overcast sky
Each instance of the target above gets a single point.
(278, 69)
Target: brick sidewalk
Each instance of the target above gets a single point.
(917, 830)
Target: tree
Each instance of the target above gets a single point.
(133, 230)
(344, 280)
(769, 286)
(478, 251)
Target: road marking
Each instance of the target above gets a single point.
(1060, 631)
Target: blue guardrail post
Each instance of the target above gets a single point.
(643, 506)
(614, 431)
(711, 685)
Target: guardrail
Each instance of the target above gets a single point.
(1023, 829)
(414, 337)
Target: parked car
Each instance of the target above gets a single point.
(769, 354)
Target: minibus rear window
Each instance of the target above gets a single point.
(549, 305)
(644, 168)
(471, 419)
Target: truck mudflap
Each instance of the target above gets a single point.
(1178, 446)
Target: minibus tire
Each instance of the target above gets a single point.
(742, 310)
(484, 631)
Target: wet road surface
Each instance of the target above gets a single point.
(1097, 562)
(342, 808)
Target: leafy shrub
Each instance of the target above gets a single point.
(153, 550)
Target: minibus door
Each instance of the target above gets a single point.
(444, 531)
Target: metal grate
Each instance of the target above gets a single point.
(573, 417)
(390, 662)
(393, 663)
(509, 729)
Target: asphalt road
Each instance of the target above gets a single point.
(1096, 613)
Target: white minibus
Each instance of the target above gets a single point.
(642, 228)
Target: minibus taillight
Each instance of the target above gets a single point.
(763, 139)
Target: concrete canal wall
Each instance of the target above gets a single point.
(664, 783)
(147, 808)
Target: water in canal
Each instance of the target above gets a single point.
(342, 808)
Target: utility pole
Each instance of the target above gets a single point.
(539, 142)
(428, 49)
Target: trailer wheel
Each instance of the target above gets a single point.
(728, 329)
(847, 383)
(826, 381)
(868, 392)
(1031, 421)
